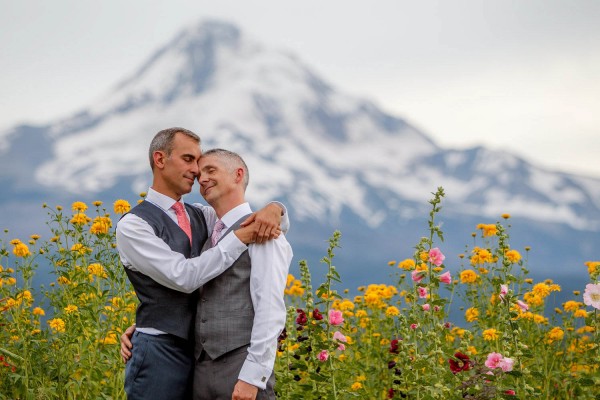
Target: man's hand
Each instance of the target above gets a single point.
(126, 345)
(244, 391)
(248, 234)
(267, 221)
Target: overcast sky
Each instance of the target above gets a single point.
(523, 76)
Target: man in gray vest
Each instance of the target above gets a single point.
(242, 311)
(159, 243)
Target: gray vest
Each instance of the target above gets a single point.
(225, 313)
(162, 308)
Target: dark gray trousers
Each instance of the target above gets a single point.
(160, 368)
(215, 379)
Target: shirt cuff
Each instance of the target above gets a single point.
(255, 374)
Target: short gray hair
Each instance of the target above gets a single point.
(163, 141)
(232, 161)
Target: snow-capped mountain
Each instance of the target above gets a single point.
(336, 160)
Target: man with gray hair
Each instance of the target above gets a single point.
(242, 311)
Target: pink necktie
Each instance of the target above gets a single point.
(216, 234)
(182, 219)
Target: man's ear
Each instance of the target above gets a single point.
(239, 175)
(159, 159)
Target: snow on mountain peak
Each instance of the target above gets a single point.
(322, 150)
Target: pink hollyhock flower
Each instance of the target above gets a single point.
(422, 292)
(493, 360)
(591, 295)
(436, 257)
(340, 336)
(522, 305)
(335, 317)
(414, 326)
(436, 308)
(503, 291)
(462, 363)
(323, 355)
(506, 364)
(417, 276)
(426, 307)
(446, 277)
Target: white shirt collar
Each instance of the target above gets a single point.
(161, 200)
(233, 215)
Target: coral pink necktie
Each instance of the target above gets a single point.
(182, 219)
(216, 234)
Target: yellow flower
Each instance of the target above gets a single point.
(488, 229)
(63, 280)
(539, 319)
(424, 256)
(97, 269)
(57, 325)
(79, 206)
(356, 386)
(21, 250)
(101, 225)
(421, 267)
(533, 299)
(468, 276)
(111, 338)
(70, 309)
(36, 332)
(481, 256)
(295, 290)
(580, 314)
(541, 289)
(392, 262)
(121, 207)
(408, 264)
(97, 203)
(10, 281)
(35, 237)
(81, 249)
(585, 329)
(490, 334)
(513, 256)
(471, 350)
(572, 306)
(80, 219)
(25, 295)
(555, 334)
(346, 305)
(392, 311)
(361, 313)
(290, 279)
(471, 314)
(39, 311)
(15, 242)
(505, 216)
(143, 194)
(592, 266)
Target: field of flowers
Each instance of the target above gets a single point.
(389, 342)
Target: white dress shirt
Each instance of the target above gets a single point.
(268, 275)
(141, 250)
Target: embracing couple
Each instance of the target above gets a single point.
(210, 280)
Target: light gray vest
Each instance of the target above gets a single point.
(225, 314)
